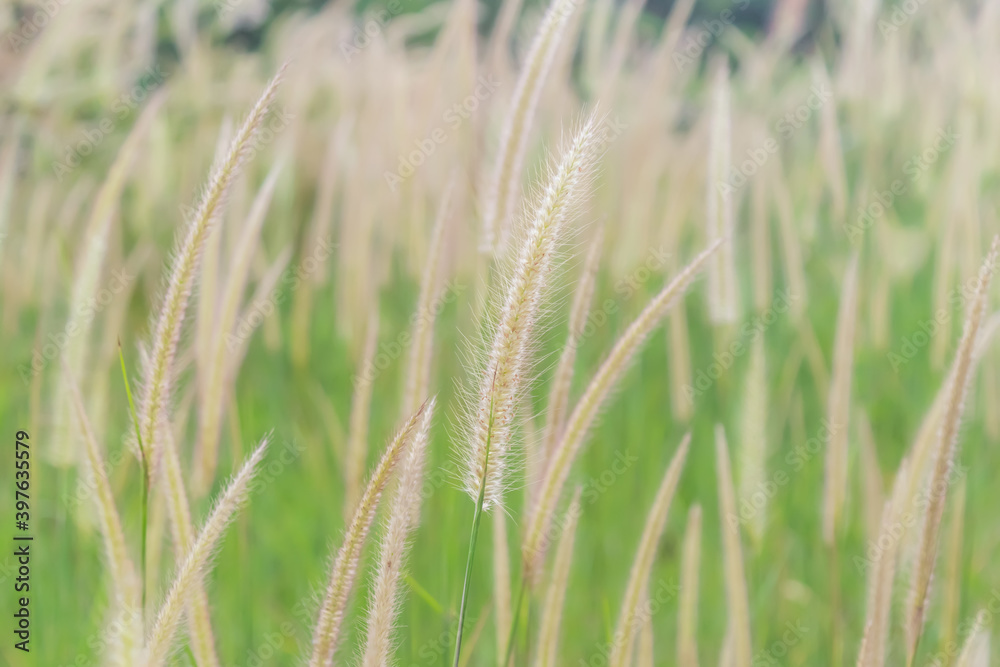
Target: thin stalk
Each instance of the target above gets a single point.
(476, 517)
(513, 623)
(144, 505)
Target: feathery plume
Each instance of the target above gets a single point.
(505, 183)
(555, 415)
(583, 415)
(736, 583)
(196, 563)
(418, 367)
(943, 458)
(723, 298)
(345, 566)
(126, 580)
(871, 478)
(753, 439)
(687, 618)
(883, 573)
(839, 405)
(555, 596)
(508, 359)
(404, 515)
(357, 434)
(198, 615)
(167, 329)
(976, 652)
(952, 592)
(638, 578)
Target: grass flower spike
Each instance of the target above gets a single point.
(345, 565)
(158, 373)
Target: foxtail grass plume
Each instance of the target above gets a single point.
(638, 579)
(557, 470)
(125, 580)
(723, 306)
(196, 563)
(404, 515)
(976, 651)
(199, 620)
(345, 566)
(952, 589)
(555, 413)
(839, 406)
(555, 596)
(735, 578)
(943, 457)
(753, 440)
(882, 574)
(687, 617)
(505, 184)
(488, 450)
(158, 373)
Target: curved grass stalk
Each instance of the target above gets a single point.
(883, 574)
(687, 617)
(418, 368)
(158, 374)
(194, 566)
(583, 415)
(638, 579)
(404, 515)
(125, 579)
(345, 566)
(555, 414)
(199, 618)
(839, 405)
(735, 578)
(506, 181)
(555, 596)
(943, 458)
